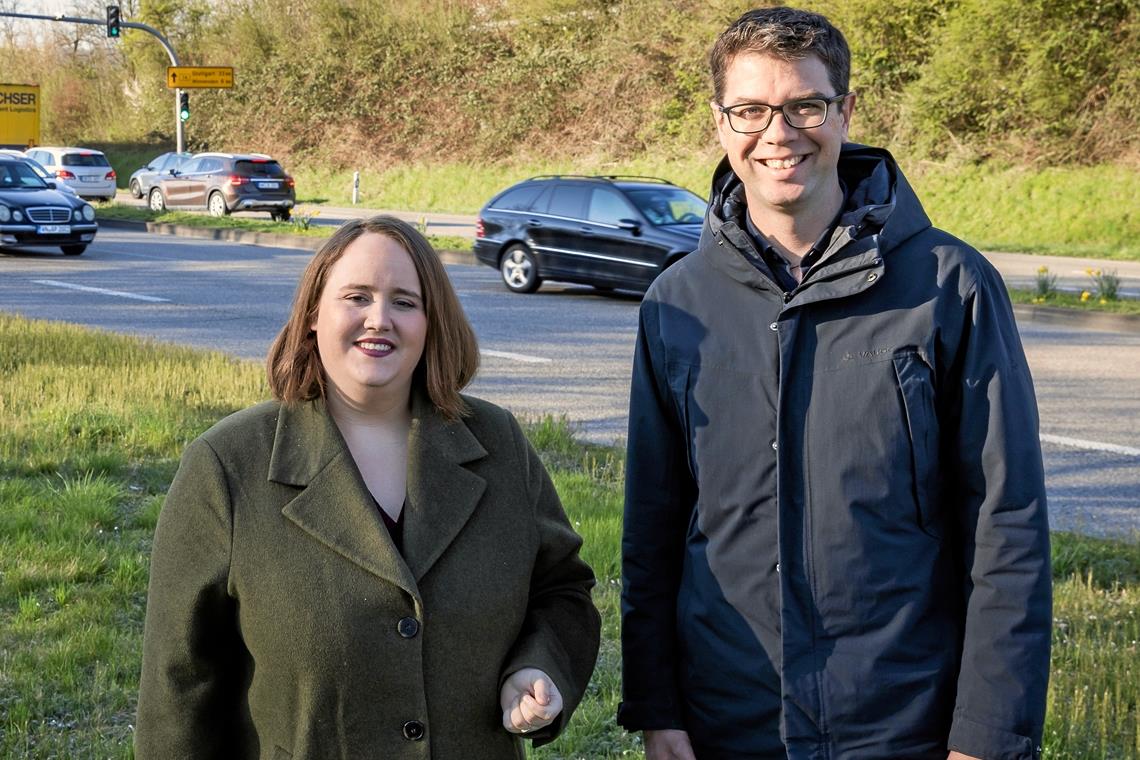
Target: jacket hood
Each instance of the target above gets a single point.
(879, 200)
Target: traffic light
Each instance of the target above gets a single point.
(184, 106)
(114, 25)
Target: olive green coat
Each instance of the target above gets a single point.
(282, 622)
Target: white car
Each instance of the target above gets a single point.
(41, 172)
(84, 170)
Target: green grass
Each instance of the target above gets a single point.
(296, 226)
(91, 427)
(1074, 211)
(1130, 306)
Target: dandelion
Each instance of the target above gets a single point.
(1085, 295)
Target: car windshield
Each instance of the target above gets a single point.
(84, 159)
(258, 169)
(668, 205)
(19, 175)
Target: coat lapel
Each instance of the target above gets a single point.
(442, 493)
(335, 507)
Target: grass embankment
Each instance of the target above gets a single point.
(1070, 211)
(300, 224)
(91, 428)
(1064, 210)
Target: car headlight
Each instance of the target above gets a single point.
(89, 213)
(5, 213)
(17, 215)
(77, 214)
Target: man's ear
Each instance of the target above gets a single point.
(847, 108)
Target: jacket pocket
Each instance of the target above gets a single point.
(916, 386)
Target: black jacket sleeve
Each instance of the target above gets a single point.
(659, 496)
(1000, 707)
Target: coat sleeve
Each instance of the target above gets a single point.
(561, 632)
(659, 496)
(189, 690)
(1000, 707)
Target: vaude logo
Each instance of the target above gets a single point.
(873, 353)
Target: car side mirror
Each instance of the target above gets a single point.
(51, 185)
(632, 225)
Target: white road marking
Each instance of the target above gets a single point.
(515, 357)
(1077, 443)
(102, 291)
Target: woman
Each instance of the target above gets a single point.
(371, 564)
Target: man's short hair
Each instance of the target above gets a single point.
(786, 33)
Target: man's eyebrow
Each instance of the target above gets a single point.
(753, 101)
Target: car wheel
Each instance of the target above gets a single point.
(157, 203)
(217, 205)
(136, 190)
(519, 269)
(73, 250)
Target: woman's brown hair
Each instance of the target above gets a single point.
(451, 353)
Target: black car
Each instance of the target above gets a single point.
(609, 232)
(34, 213)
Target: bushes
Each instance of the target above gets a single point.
(330, 81)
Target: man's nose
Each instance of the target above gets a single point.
(778, 129)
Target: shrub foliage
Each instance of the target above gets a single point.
(472, 80)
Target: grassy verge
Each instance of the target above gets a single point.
(91, 427)
(1074, 211)
(299, 225)
(1129, 306)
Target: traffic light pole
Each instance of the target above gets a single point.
(129, 25)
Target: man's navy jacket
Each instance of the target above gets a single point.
(835, 541)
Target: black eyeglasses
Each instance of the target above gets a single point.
(749, 118)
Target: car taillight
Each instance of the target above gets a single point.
(480, 231)
(289, 181)
(236, 180)
(64, 174)
(110, 174)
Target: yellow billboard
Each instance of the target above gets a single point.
(19, 115)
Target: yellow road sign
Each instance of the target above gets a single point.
(200, 77)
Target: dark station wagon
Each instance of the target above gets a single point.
(606, 231)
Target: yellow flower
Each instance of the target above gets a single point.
(1085, 295)
(1103, 301)
(1042, 270)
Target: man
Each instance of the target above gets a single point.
(835, 538)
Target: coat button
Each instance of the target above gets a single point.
(775, 446)
(777, 567)
(408, 627)
(413, 730)
(773, 327)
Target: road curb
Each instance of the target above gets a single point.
(1046, 315)
(1088, 320)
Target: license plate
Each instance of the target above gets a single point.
(91, 179)
(54, 229)
(269, 185)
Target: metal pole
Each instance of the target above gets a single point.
(129, 25)
(355, 187)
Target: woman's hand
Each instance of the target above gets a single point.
(530, 701)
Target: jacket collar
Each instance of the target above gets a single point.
(336, 508)
(882, 213)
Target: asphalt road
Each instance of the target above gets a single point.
(562, 351)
